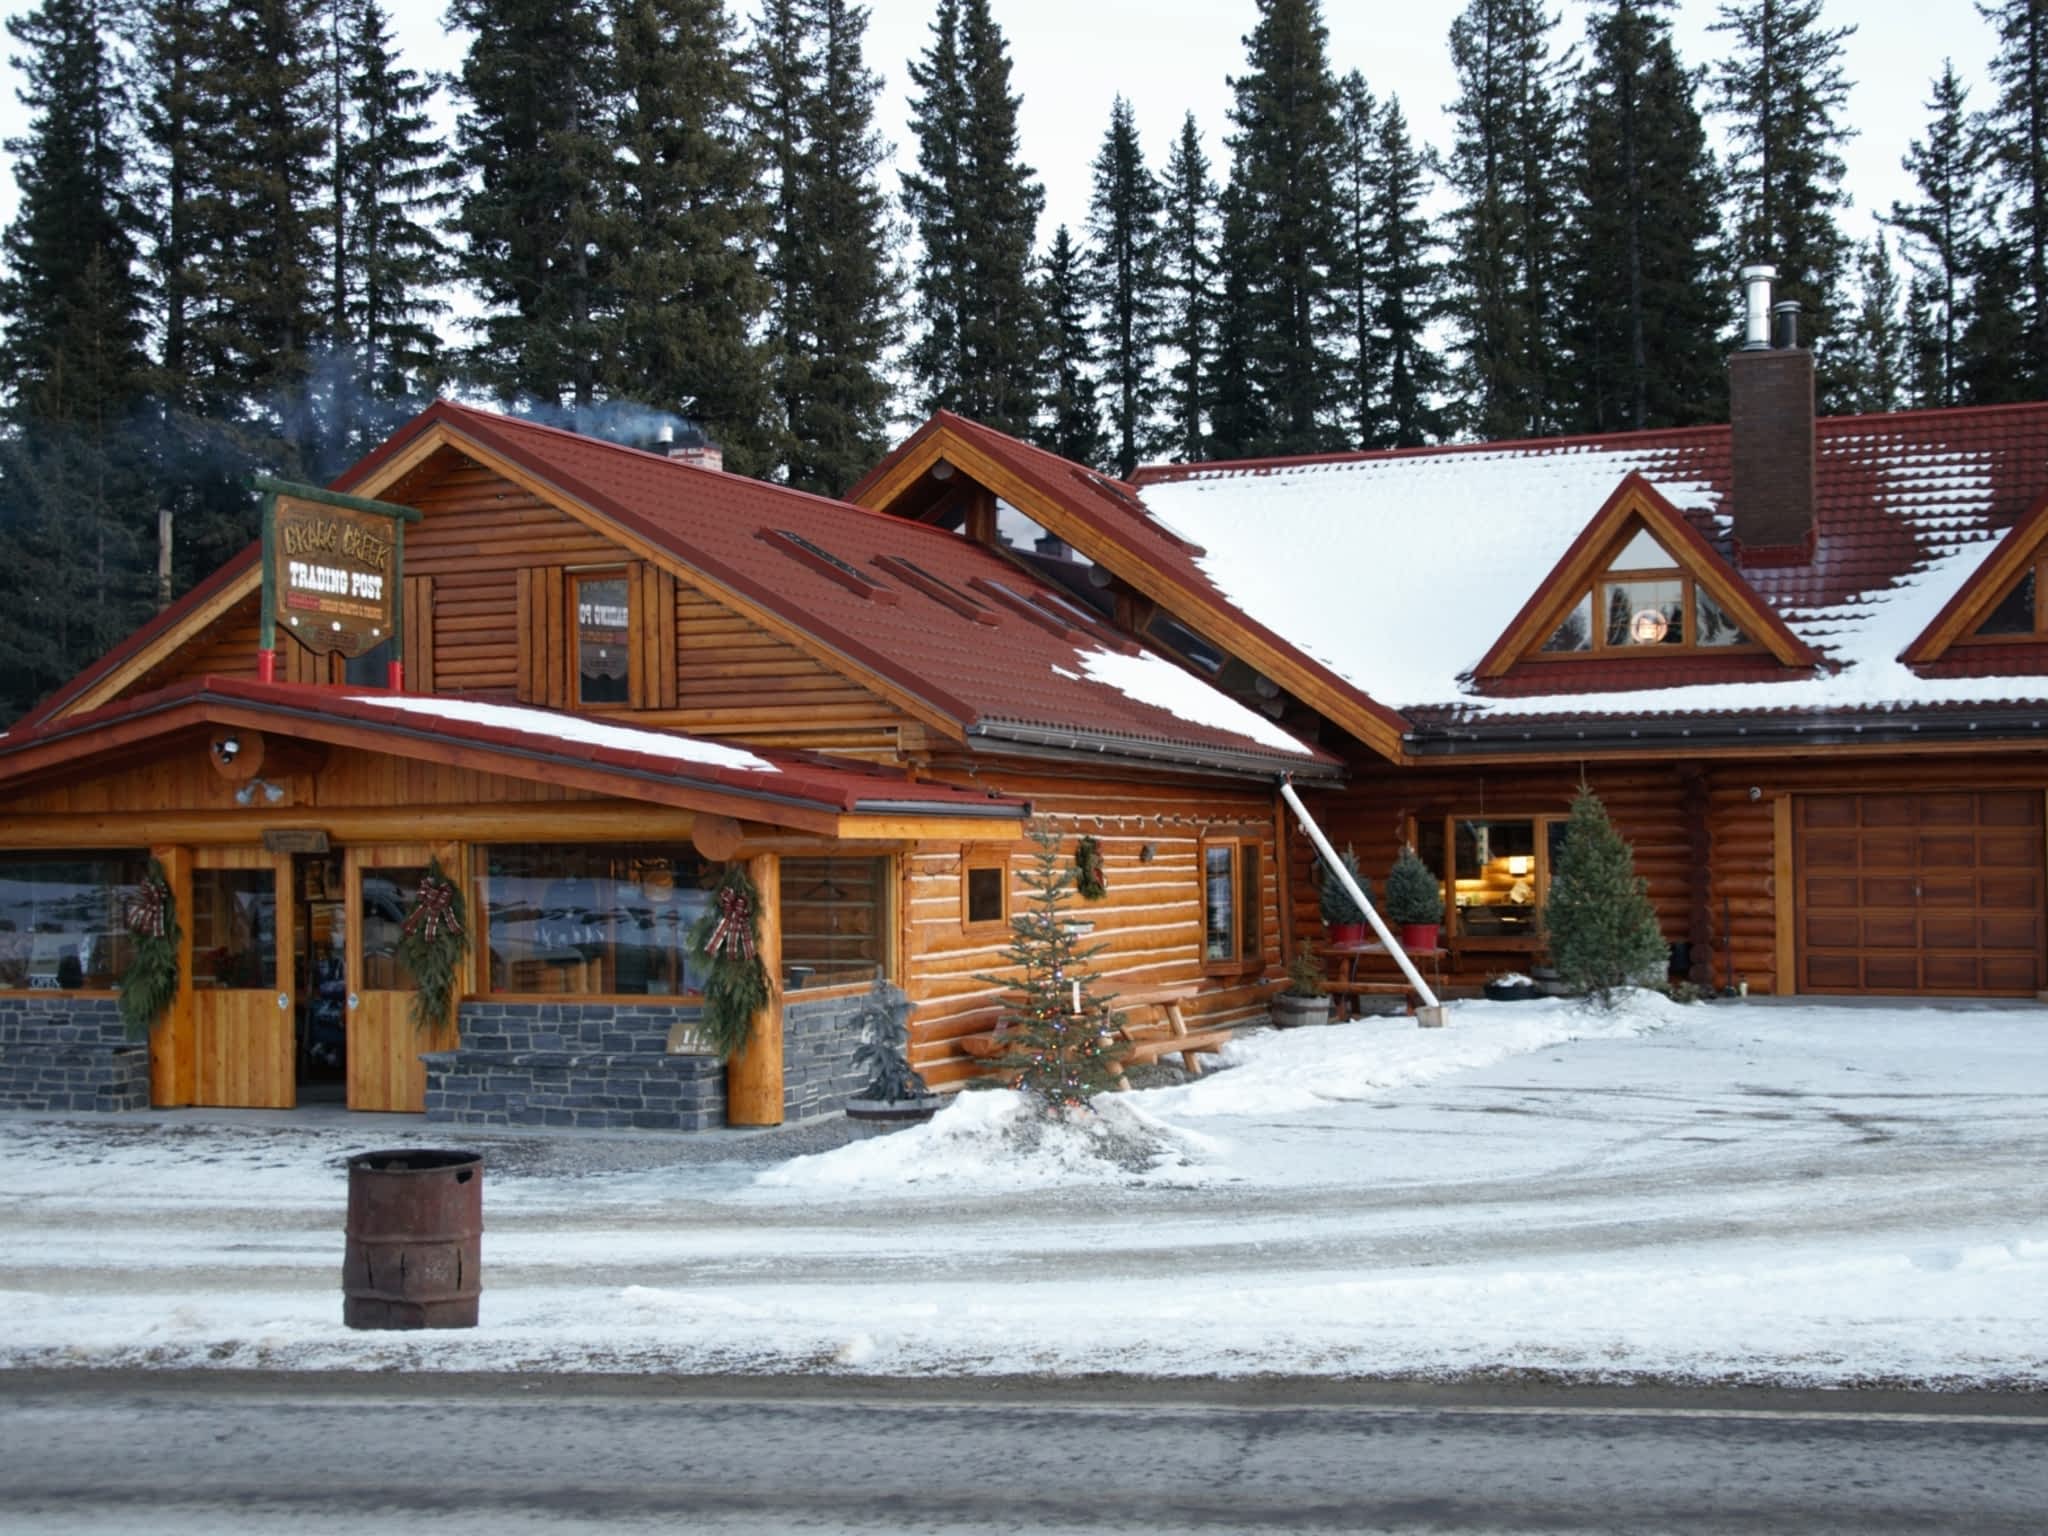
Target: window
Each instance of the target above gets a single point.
(1644, 601)
(2019, 614)
(62, 923)
(234, 928)
(984, 892)
(1500, 872)
(603, 920)
(1232, 903)
(604, 625)
(835, 921)
(388, 894)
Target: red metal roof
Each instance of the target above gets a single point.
(733, 530)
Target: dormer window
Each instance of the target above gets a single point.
(604, 623)
(2017, 615)
(1644, 600)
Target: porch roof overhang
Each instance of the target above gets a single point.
(795, 791)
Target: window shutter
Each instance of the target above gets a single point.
(654, 638)
(544, 635)
(419, 634)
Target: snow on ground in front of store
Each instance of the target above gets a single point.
(1800, 1194)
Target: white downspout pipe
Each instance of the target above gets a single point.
(1432, 1011)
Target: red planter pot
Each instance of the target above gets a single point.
(1417, 936)
(1347, 933)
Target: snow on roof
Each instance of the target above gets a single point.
(563, 727)
(1399, 571)
(1156, 681)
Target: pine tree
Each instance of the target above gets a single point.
(1602, 930)
(1357, 382)
(1070, 422)
(1124, 285)
(1874, 368)
(533, 144)
(1940, 231)
(1058, 1053)
(2018, 126)
(1508, 172)
(1645, 301)
(1407, 275)
(1284, 155)
(833, 291)
(1187, 258)
(1782, 91)
(395, 181)
(976, 207)
(1240, 414)
(76, 497)
(682, 226)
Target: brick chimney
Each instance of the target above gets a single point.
(691, 445)
(1770, 416)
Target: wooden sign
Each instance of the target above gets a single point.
(295, 840)
(334, 575)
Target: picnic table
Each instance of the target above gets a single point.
(1346, 985)
(1161, 1031)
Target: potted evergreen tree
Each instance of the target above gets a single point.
(1341, 915)
(1602, 929)
(1305, 1001)
(1415, 900)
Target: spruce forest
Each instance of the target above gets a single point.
(243, 243)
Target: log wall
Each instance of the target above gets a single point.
(1150, 916)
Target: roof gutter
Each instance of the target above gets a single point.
(993, 811)
(1918, 727)
(1065, 741)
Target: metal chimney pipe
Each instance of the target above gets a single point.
(1756, 307)
(1786, 313)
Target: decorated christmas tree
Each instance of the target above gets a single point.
(1603, 930)
(1061, 1037)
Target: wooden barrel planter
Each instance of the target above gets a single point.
(414, 1257)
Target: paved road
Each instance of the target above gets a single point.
(202, 1452)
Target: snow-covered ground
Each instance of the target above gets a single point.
(1796, 1194)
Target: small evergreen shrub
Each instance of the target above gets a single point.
(1304, 975)
(1338, 907)
(1414, 894)
(1602, 929)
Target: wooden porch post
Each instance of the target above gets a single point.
(753, 1079)
(173, 1068)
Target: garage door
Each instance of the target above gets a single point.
(1920, 893)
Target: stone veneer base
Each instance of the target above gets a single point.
(60, 1052)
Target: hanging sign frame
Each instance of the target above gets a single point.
(333, 573)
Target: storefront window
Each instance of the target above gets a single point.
(388, 894)
(593, 920)
(61, 919)
(234, 928)
(835, 921)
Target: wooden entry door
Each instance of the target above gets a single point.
(384, 1044)
(241, 979)
(1937, 893)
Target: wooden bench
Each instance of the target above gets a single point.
(1144, 1041)
(1345, 984)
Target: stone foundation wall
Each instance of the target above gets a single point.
(60, 1052)
(818, 1042)
(588, 1065)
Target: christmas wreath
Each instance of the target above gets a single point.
(727, 940)
(151, 980)
(431, 943)
(1088, 877)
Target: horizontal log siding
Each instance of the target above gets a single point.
(184, 780)
(1645, 803)
(1151, 917)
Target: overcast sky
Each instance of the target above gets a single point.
(1072, 57)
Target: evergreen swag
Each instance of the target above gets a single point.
(727, 939)
(431, 943)
(1059, 1053)
(1602, 929)
(1088, 875)
(151, 980)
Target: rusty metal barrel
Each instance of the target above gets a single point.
(414, 1257)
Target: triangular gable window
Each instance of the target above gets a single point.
(2004, 601)
(1643, 599)
(1639, 581)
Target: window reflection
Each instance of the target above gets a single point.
(62, 919)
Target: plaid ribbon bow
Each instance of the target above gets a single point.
(434, 911)
(146, 909)
(734, 935)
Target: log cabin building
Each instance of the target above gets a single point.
(616, 673)
(1801, 661)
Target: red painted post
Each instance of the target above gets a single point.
(394, 676)
(266, 666)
